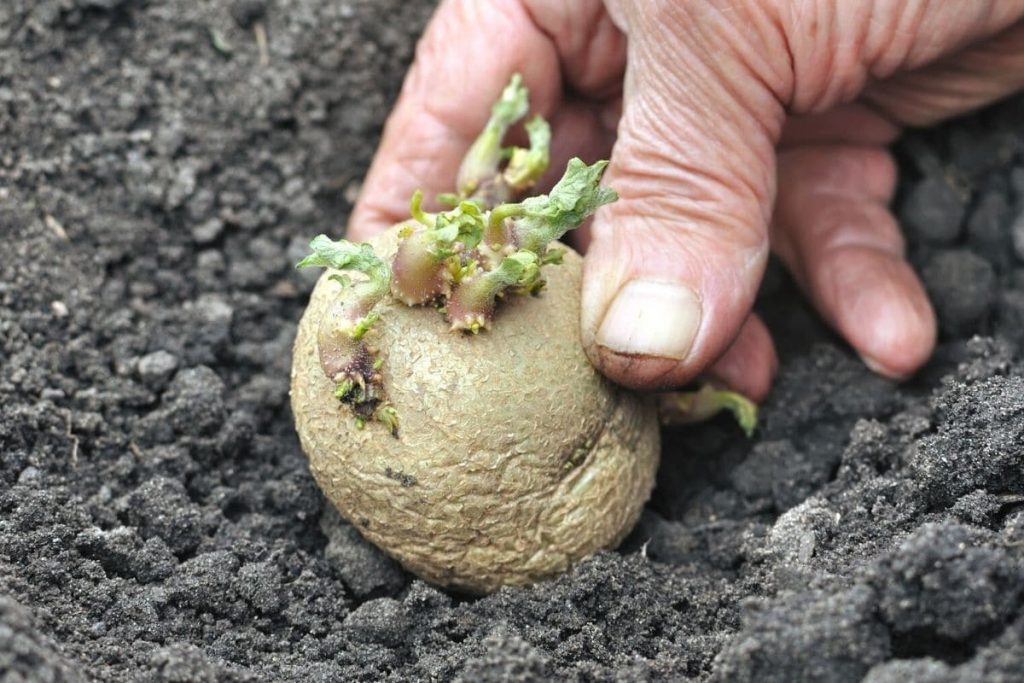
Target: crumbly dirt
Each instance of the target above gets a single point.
(158, 179)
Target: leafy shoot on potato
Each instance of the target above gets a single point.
(481, 175)
(491, 244)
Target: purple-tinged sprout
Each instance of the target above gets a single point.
(419, 278)
(345, 357)
(472, 303)
(428, 258)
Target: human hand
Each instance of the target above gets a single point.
(730, 126)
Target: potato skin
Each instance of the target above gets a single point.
(515, 457)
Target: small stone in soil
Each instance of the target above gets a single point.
(207, 231)
(1017, 234)
(156, 368)
(934, 211)
(962, 287)
(986, 227)
(382, 621)
(1011, 315)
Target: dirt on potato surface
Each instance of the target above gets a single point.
(158, 179)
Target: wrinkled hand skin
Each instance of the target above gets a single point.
(733, 128)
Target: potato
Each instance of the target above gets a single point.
(514, 458)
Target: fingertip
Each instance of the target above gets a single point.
(846, 249)
(659, 306)
(884, 312)
(641, 372)
(615, 307)
(747, 367)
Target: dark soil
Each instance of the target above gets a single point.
(157, 520)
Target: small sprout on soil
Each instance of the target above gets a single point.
(697, 406)
(220, 43)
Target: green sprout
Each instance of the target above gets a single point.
(345, 357)
(480, 165)
(345, 255)
(708, 401)
(417, 212)
(429, 257)
(526, 166)
(546, 218)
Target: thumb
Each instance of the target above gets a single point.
(673, 267)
